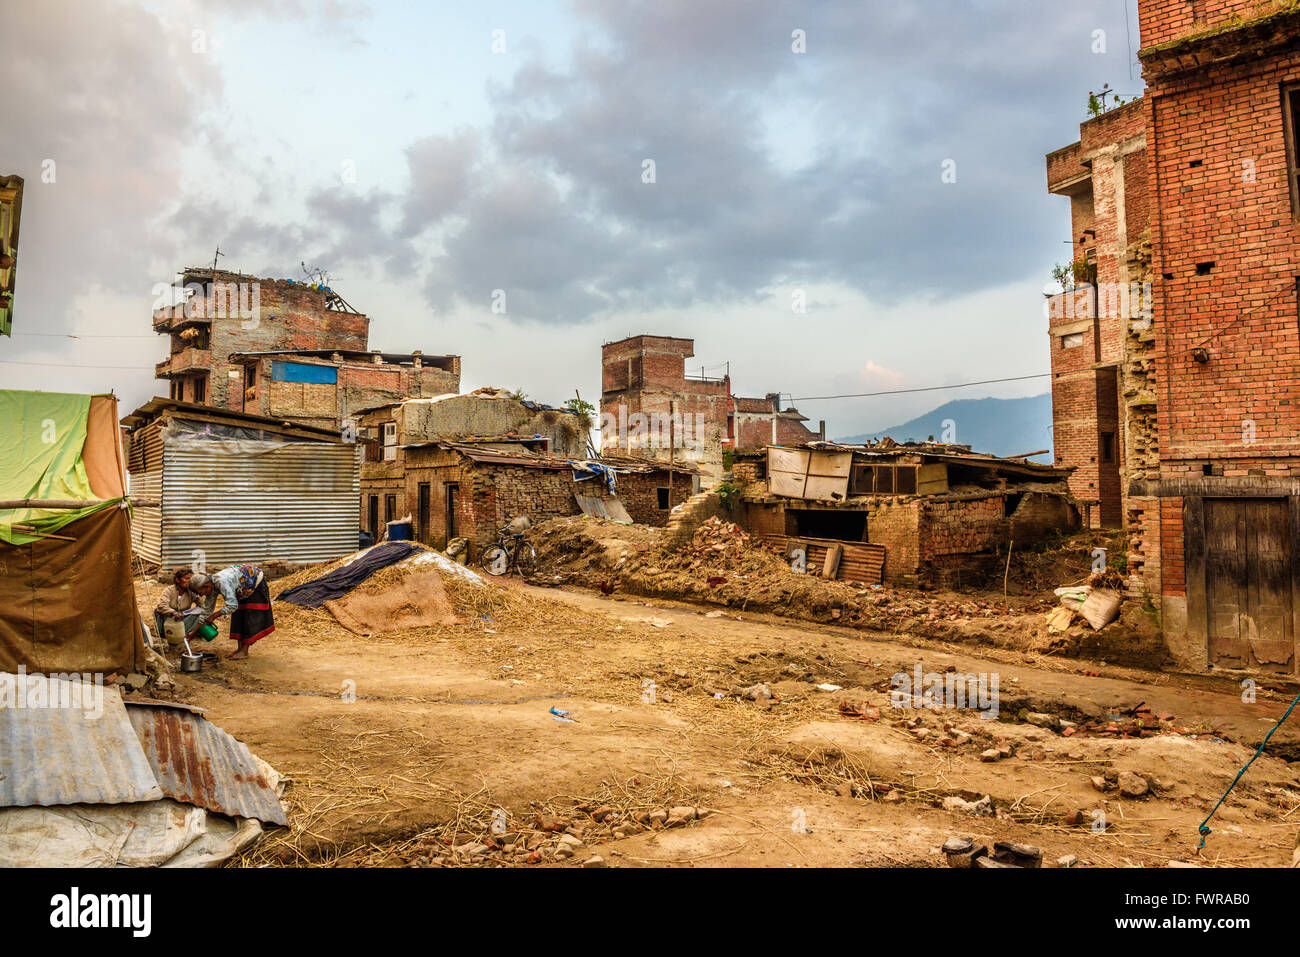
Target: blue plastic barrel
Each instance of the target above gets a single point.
(400, 531)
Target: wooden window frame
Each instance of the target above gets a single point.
(1292, 147)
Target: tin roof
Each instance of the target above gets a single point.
(159, 406)
(940, 452)
(198, 763)
(535, 460)
(63, 755)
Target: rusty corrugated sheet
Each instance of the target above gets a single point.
(61, 755)
(197, 763)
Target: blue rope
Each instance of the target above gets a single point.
(1204, 829)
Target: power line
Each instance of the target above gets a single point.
(76, 335)
(931, 388)
(67, 365)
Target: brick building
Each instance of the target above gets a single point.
(453, 489)
(653, 408)
(904, 514)
(1194, 188)
(284, 349)
(11, 208)
(1218, 528)
(1099, 328)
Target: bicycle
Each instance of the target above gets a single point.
(510, 551)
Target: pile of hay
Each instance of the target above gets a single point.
(426, 592)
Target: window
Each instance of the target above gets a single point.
(839, 524)
(883, 480)
(201, 389)
(1108, 446)
(390, 441)
(390, 507)
(663, 498)
(1071, 340)
(1291, 116)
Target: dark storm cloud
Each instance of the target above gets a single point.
(556, 213)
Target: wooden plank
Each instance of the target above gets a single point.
(836, 464)
(826, 488)
(831, 568)
(932, 479)
(788, 460)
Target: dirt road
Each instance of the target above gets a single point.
(385, 739)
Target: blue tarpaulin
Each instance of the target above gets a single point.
(303, 372)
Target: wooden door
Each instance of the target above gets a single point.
(422, 498)
(453, 502)
(1248, 583)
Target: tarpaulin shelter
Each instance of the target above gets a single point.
(67, 600)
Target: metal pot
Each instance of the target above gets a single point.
(191, 664)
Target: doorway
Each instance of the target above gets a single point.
(453, 510)
(1249, 622)
(423, 509)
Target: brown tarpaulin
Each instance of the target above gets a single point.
(417, 600)
(102, 453)
(70, 606)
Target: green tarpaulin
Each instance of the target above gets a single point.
(42, 435)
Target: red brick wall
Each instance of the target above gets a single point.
(1162, 20)
(961, 527)
(646, 375)
(1172, 565)
(1244, 312)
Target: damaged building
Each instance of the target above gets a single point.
(459, 490)
(651, 407)
(462, 466)
(285, 349)
(11, 207)
(919, 513)
(1198, 382)
(1099, 325)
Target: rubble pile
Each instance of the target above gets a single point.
(549, 836)
(720, 546)
(724, 565)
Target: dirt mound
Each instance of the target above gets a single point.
(582, 549)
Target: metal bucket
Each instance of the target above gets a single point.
(191, 664)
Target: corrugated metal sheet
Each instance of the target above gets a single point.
(291, 503)
(198, 763)
(61, 755)
(862, 563)
(607, 508)
(146, 521)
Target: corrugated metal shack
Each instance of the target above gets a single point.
(900, 513)
(228, 487)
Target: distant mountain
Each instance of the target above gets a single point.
(995, 426)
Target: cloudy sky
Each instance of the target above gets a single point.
(682, 167)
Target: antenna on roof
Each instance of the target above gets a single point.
(215, 257)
